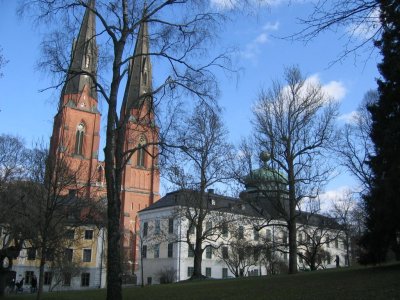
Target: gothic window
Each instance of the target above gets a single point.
(100, 174)
(87, 61)
(145, 78)
(141, 153)
(80, 132)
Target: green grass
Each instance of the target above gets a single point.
(355, 283)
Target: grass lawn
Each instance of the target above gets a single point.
(354, 283)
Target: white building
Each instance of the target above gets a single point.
(165, 252)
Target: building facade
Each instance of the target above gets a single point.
(76, 138)
(165, 251)
(81, 265)
(76, 130)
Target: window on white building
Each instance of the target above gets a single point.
(190, 250)
(28, 277)
(268, 235)
(157, 227)
(170, 225)
(170, 250)
(31, 253)
(190, 271)
(208, 272)
(88, 234)
(47, 278)
(209, 252)
(241, 232)
(157, 251)
(70, 234)
(225, 252)
(69, 253)
(224, 272)
(256, 234)
(87, 255)
(85, 279)
(66, 279)
(224, 230)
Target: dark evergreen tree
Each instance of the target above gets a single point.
(383, 201)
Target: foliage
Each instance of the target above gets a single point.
(382, 204)
(167, 275)
(355, 146)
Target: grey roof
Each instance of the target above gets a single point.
(84, 56)
(230, 204)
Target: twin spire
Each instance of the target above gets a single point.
(84, 56)
(84, 60)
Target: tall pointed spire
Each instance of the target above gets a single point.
(140, 73)
(84, 56)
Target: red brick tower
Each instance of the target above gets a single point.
(77, 123)
(141, 178)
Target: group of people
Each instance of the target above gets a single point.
(19, 285)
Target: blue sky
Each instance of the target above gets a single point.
(261, 57)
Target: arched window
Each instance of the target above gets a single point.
(145, 78)
(80, 132)
(87, 61)
(141, 153)
(100, 174)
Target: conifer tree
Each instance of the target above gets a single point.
(382, 202)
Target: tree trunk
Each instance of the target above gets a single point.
(292, 247)
(113, 172)
(3, 276)
(41, 274)
(292, 219)
(198, 259)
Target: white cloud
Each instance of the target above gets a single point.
(261, 39)
(350, 117)
(252, 49)
(328, 197)
(334, 89)
(271, 26)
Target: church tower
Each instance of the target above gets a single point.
(77, 122)
(141, 178)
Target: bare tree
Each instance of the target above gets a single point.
(12, 159)
(317, 233)
(355, 145)
(176, 39)
(294, 124)
(349, 214)
(200, 163)
(239, 253)
(359, 21)
(52, 210)
(14, 196)
(14, 199)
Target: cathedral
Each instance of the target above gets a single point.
(77, 127)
